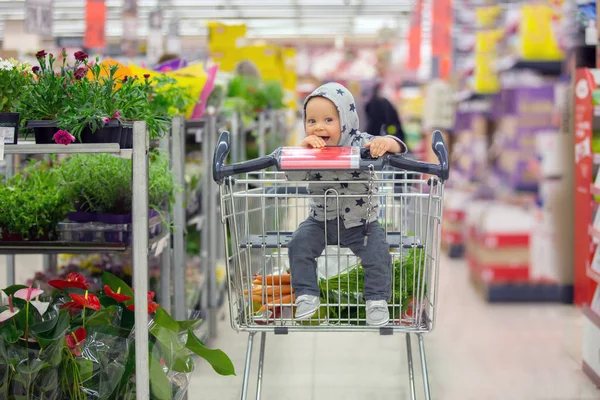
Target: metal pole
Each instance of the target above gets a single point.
(261, 135)
(10, 258)
(235, 134)
(165, 256)
(211, 228)
(178, 158)
(140, 257)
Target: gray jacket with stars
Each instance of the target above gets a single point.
(352, 210)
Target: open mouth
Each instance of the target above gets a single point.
(325, 138)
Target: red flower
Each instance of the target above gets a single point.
(35, 69)
(152, 306)
(117, 296)
(80, 73)
(125, 78)
(90, 301)
(81, 56)
(74, 280)
(146, 76)
(72, 307)
(41, 54)
(75, 340)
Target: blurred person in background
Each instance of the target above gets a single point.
(382, 116)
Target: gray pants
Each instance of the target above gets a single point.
(308, 243)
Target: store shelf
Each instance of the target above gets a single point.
(32, 148)
(512, 63)
(508, 292)
(155, 247)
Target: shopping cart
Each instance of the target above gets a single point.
(261, 209)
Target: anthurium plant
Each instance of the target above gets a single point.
(72, 343)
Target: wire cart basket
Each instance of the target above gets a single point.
(262, 206)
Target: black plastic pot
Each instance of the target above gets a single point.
(127, 137)
(110, 133)
(9, 123)
(43, 130)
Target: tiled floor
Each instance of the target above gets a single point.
(477, 352)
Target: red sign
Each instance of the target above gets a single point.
(95, 24)
(584, 163)
(413, 60)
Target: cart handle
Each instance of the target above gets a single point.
(441, 170)
(221, 171)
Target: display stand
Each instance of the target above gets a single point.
(140, 245)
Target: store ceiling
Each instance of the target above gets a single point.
(264, 18)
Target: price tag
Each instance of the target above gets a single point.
(2, 133)
(199, 135)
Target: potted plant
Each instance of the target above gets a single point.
(42, 105)
(33, 202)
(100, 186)
(90, 112)
(15, 81)
(77, 344)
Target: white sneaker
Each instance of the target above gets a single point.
(378, 313)
(306, 306)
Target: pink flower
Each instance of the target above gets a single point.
(28, 293)
(117, 115)
(106, 120)
(11, 312)
(63, 137)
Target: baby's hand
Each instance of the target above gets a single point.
(381, 145)
(313, 141)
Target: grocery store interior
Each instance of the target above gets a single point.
(495, 270)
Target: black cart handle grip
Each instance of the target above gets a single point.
(441, 170)
(221, 171)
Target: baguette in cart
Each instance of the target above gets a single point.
(262, 203)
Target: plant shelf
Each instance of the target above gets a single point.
(155, 246)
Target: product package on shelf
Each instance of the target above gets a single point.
(453, 227)
(526, 112)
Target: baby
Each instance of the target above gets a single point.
(331, 119)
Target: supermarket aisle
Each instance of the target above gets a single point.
(477, 352)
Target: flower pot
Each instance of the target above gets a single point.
(110, 133)
(9, 125)
(80, 216)
(120, 218)
(127, 137)
(43, 130)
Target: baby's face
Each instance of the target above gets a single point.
(322, 119)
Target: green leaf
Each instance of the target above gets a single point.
(11, 290)
(44, 326)
(159, 382)
(220, 362)
(186, 324)
(86, 368)
(59, 331)
(115, 283)
(10, 334)
(163, 319)
(107, 301)
(173, 350)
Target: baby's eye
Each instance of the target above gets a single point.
(329, 120)
(311, 121)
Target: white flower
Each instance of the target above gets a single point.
(6, 65)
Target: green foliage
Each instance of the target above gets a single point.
(102, 183)
(33, 202)
(16, 80)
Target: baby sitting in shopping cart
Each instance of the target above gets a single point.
(331, 119)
